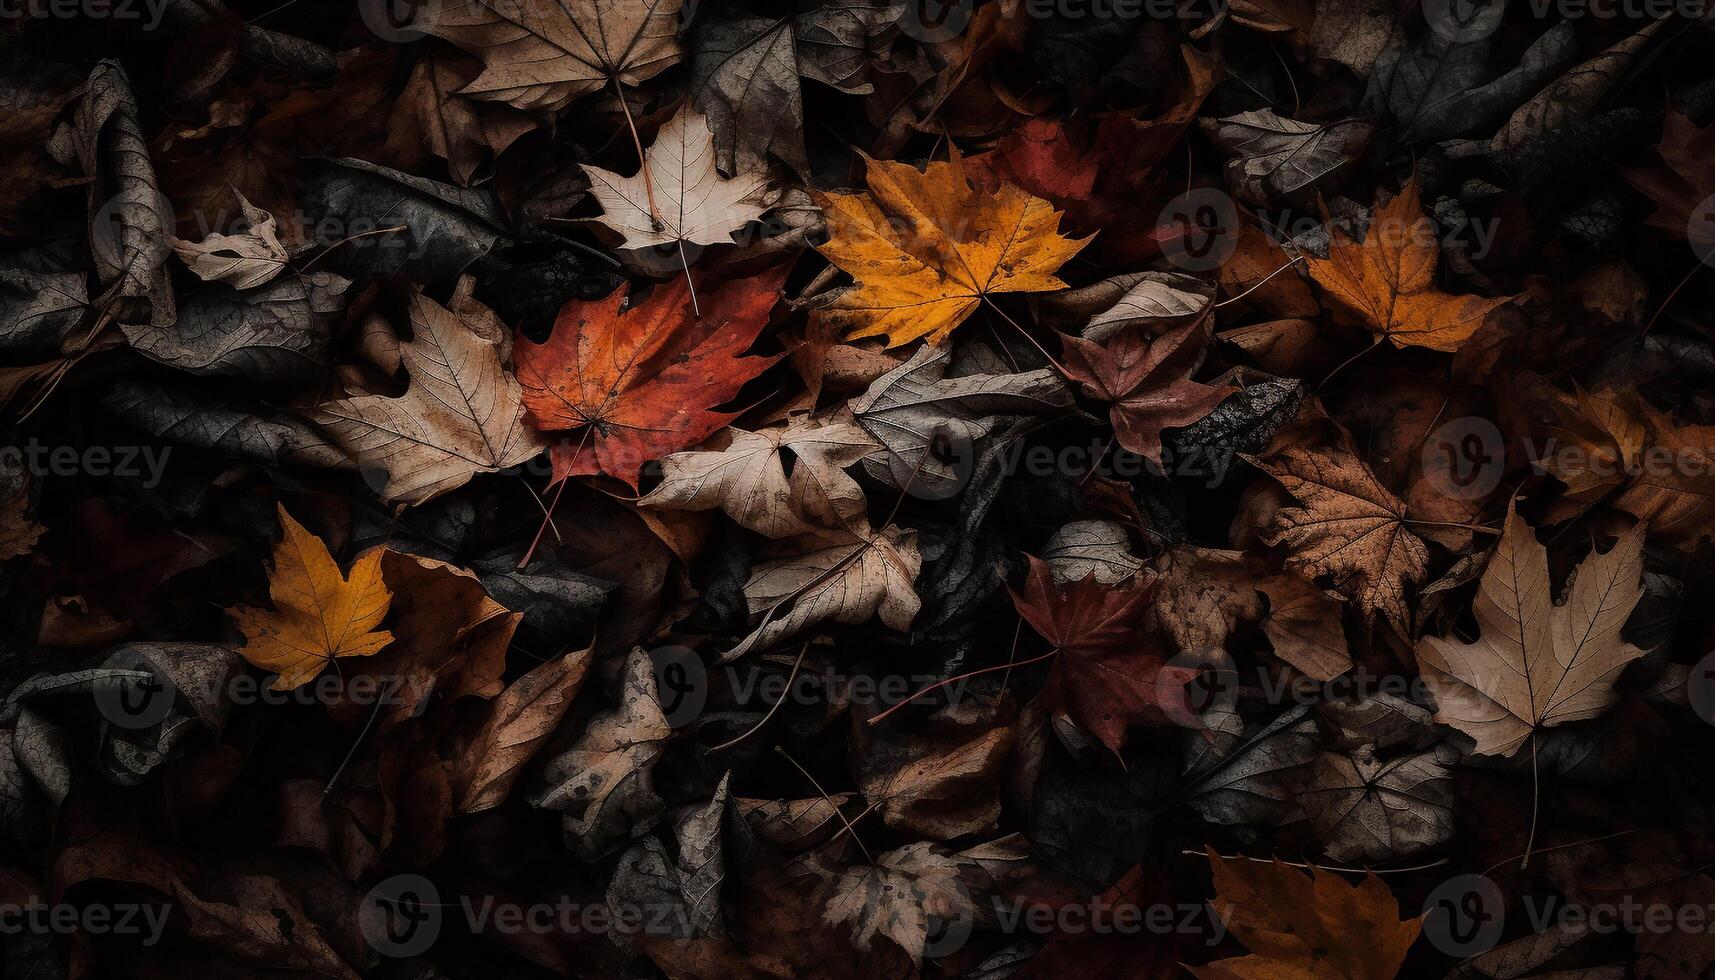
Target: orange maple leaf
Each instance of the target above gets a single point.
(926, 248)
(1389, 279)
(636, 383)
(318, 613)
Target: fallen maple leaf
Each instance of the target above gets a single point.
(1146, 380)
(318, 613)
(636, 383)
(677, 195)
(1536, 664)
(542, 54)
(1106, 676)
(1303, 926)
(924, 248)
(1388, 281)
(1349, 528)
(461, 415)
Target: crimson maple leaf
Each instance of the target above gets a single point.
(1107, 675)
(635, 383)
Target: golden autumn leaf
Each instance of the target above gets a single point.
(926, 247)
(1388, 280)
(318, 613)
(1306, 926)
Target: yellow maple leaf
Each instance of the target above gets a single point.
(318, 613)
(1388, 280)
(925, 247)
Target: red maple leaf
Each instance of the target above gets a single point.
(1108, 675)
(633, 386)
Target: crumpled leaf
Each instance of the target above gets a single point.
(604, 784)
(1238, 776)
(749, 482)
(248, 258)
(845, 576)
(1086, 549)
(274, 332)
(1277, 159)
(746, 69)
(933, 426)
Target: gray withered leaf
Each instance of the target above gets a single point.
(39, 310)
(277, 332)
(1437, 88)
(41, 748)
(1155, 301)
(931, 424)
(442, 228)
(1084, 548)
(1364, 808)
(604, 783)
(1576, 93)
(1276, 158)
(1233, 776)
(745, 74)
(186, 419)
(129, 219)
(556, 601)
(684, 892)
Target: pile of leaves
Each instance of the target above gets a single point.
(796, 488)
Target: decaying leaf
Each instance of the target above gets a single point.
(461, 414)
(1537, 663)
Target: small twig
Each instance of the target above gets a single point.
(829, 800)
(772, 708)
(960, 677)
